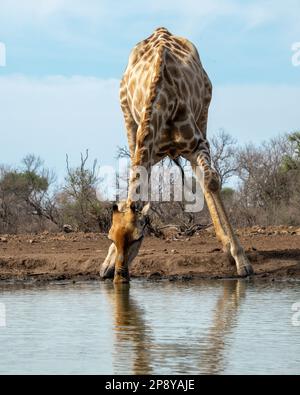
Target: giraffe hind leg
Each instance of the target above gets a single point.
(107, 269)
(131, 125)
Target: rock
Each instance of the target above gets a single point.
(3, 239)
(215, 250)
(154, 276)
(210, 230)
(261, 230)
(68, 228)
(170, 231)
(284, 232)
(174, 252)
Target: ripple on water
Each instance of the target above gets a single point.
(198, 327)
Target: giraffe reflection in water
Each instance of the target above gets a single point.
(132, 334)
(138, 349)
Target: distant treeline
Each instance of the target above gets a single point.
(266, 192)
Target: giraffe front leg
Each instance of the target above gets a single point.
(107, 269)
(231, 244)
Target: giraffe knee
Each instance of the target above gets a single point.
(212, 181)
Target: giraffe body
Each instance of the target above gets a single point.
(165, 95)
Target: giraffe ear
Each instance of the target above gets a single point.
(146, 209)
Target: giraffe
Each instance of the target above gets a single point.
(131, 327)
(165, 95)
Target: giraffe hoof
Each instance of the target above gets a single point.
(245, 271)
(121, 280)
(243, 265)
(107, 272)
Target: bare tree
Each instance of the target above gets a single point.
(25, 195)
(223, 147)
(39, 182)
(265, 188)
(79, 203)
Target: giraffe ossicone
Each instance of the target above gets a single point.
(165, 95)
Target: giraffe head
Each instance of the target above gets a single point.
(126, 233)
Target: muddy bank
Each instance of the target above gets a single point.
(274, 253)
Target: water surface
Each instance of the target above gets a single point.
(219, 327)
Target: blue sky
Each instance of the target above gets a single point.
(59, 89)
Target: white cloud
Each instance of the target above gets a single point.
(40, 8)
(85, 23)
(57, 115)
(255, 112)
(256, 12)
(2, 55)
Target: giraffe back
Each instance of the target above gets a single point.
(166, 89)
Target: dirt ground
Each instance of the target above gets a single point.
(274, 253)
